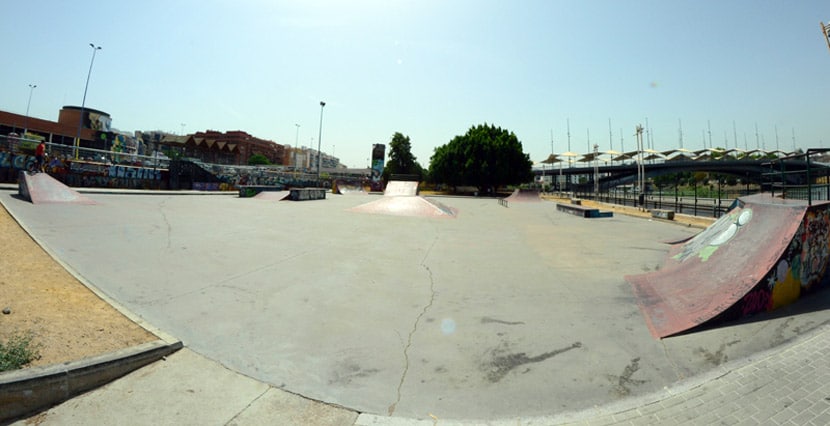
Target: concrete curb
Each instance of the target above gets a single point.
(33, 389)
(27, 391)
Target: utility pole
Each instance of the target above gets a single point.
(640, 168)
(610, 136)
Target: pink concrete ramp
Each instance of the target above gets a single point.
(399, 188)
(40, 188)
(746, 262)
(524, 195)
(407, 206)
(273, 195)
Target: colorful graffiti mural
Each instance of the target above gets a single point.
(802, 267)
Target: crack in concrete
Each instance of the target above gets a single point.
(166, 222)
(226, 282)
(415, 328)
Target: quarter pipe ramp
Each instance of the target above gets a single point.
(763, 254)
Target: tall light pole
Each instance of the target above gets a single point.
(296, 142)
(825, 31)
(640, 166)
(26, 124)
(83, 102)
(319, 139)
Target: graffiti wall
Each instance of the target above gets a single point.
(86, 174)
(801, 269)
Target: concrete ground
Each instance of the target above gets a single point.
(499, 315)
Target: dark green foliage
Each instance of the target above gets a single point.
(485, 157)
(17, 352)
(401, 161)
(258, 159)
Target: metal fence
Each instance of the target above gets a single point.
(18, 146)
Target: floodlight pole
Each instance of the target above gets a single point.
(83, 102)
(319, 140)
(640, 168)
(825, 31)
(596, 172)
(26, 125)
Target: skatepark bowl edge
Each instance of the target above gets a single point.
(500, 313)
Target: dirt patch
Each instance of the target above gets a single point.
(68, 321)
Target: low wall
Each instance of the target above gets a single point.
(306, 194)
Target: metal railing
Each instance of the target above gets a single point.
(810, 184)
(22, 146)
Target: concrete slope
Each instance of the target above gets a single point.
(526, 195)
(273, 195)
(712, 274)
(399, 188)
(407, 206)
(40, 188)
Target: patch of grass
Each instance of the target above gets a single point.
(18, 351)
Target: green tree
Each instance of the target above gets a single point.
(401, 161)
(258, 159)
(485, 157)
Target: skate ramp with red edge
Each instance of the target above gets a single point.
(716, 269)
(523, 195)
(40, 188)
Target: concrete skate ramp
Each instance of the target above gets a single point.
(719, 267)
(344, 188)
(40, 188)
(272, 195)
(406, 206)
(523, 195)
(399, 188)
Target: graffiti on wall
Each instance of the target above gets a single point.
(801, 268)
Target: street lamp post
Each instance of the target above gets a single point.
(596, 171)
(319, 140)
(296, 142)
(83, 102)
(26, 124)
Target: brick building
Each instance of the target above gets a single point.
(233, 147)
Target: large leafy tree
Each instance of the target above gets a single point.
(485, 157)
(401, 161)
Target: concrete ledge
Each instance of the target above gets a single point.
(579, 210)
(247, 191)
(576, 201)
(663, 214)
(29, 390)
(305, 194)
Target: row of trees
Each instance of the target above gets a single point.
(485, 157)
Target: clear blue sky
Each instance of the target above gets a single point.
(431, 69)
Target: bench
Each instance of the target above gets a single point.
(663, 214)
(579, 210)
